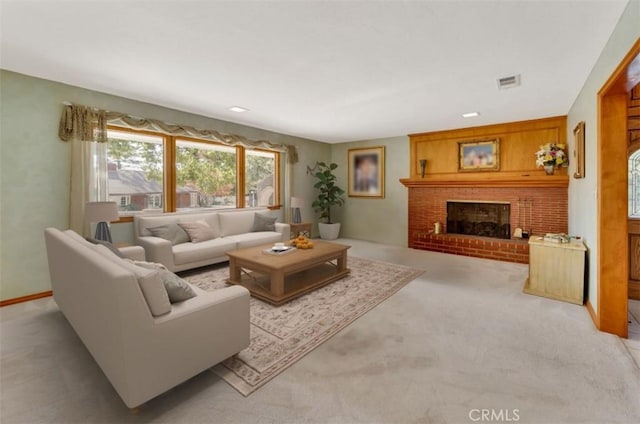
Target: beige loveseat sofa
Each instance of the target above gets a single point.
(109, 302)
(229, 230)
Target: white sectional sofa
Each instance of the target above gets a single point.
(109, 302)
(229, 230)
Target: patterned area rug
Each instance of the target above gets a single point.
(281, 335)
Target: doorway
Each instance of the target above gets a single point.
(613, 239)
(633, 128)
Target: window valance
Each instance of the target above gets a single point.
(90, 124)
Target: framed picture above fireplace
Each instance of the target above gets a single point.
(479, 155)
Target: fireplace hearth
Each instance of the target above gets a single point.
(484, 219)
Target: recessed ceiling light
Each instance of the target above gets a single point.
(470, 114)
(238, 109)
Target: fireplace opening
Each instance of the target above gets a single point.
(484, 219)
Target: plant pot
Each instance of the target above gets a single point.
(549, 169)
(329, 231)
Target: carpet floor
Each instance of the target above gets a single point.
(459, 339)
(281, 335)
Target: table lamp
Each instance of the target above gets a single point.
(101, 212)
(296, 204)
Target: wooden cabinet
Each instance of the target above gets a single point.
(556, 270)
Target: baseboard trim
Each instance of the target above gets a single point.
(25, 298)
(594, 316)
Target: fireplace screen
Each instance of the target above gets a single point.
(479, 219)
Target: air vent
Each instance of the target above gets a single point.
(509, 82)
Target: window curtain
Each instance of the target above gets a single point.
(85, 129)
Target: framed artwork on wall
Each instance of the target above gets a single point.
(481, 155)
(578, 149)
(366, 172)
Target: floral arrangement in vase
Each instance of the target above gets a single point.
(551, 156)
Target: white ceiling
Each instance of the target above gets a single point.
(331, 71)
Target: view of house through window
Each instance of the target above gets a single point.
(136, 170)
(260, 181)
(206, 173)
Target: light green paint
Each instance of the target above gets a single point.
(373, 219)
(583, 205)
(34, 169)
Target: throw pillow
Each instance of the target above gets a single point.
(172, 232)
(198, 231)
(108, 245)
(177, 289)
(147, 265)
(263, 222)
(150, 282)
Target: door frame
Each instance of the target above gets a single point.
(612, 186)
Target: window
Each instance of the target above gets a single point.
(135, 169)
(260, 183)
(154, 201)
(153, 171)
(634, 184)
(206, 172)
(122, 201)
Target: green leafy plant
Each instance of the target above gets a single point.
(329, 193)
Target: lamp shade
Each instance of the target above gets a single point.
(101, 212)
(297, 202)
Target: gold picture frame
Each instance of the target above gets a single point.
(366, 172)
(482, 155)
(578, 149)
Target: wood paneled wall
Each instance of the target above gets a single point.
(519, 141)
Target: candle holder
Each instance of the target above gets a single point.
(423, 167)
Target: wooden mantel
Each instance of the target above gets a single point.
(538, 202)
(513, 181)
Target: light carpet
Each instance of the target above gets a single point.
(281, 335)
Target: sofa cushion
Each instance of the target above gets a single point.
(172, 232)
(255, 239)
(150, 282)
(262, 222)
(198, 231)
(146, 222)
(196, 252)
(107, 245)
(232, 223)
(77, 237)
(177, 289)
(147, 265)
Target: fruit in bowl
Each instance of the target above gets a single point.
(301, 242)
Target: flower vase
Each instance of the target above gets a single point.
(549, 169)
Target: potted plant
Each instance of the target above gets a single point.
(329, 195)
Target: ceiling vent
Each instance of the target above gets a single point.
(509, 82)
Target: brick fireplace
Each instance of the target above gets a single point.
(537, 210)
(537, 203)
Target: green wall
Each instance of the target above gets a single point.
(378, 220)
(583, 192)
(34, 169)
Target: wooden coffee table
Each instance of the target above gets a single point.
(280, 278)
